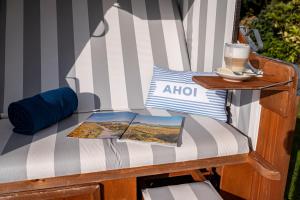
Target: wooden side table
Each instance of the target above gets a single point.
(256, 83)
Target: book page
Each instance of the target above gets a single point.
(154, 129)
(104, 125)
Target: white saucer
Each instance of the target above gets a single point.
(228, 75)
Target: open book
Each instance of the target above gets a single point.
(129, 126)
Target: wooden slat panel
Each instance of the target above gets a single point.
(72, 193)
(121, 189)
(237, 180)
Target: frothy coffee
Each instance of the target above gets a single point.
(236, 56)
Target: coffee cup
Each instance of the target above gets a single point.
(236, 56)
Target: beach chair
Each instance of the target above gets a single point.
(105, 50)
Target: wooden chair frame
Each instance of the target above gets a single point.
(277, 124)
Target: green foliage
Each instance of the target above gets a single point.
(253, 7)
(293, 192)
(279, 25)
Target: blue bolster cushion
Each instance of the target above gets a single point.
(40, 111)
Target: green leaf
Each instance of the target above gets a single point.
(279, 26)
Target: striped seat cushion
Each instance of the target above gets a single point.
(192, 191)
(50, 153)
(103, 49)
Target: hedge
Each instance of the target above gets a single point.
(279, 26)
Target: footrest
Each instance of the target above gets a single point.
(191, 191)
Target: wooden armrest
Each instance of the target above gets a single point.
(276, 99)
(263, 167)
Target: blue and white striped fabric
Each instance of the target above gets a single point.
(175, 91)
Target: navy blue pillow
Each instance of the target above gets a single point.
(42, 110)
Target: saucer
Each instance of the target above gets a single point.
(228, 75)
